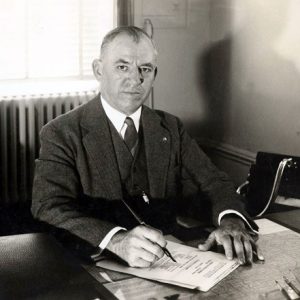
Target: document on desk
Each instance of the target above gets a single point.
(194, 269)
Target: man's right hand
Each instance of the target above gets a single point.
(139, 247)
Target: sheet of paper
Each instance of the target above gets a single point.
(194, 269)
(267, 227)
(288, 201)
(137, 288)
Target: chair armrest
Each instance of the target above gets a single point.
(242, 189)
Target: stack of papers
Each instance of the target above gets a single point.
(194, 269)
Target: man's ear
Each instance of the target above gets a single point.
(155, 72)
(97, 68)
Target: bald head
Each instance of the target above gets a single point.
(134, 32)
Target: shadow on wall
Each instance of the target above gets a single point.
(215, 74)
(250, 88)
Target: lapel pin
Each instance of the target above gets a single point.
(164, 139)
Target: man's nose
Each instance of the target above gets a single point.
(137, 76)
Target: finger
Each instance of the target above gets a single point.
(152, 248)
(139, 257)
(257, 252)
(248, 250)
(139, 263)
(227, 244)
(153, 235)
(210, 242)
(254, 236)
(146, 255)
(239, 249)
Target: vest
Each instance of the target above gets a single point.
(134, 179)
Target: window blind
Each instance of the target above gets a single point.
(51, 38)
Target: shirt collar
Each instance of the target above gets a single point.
(118, 118)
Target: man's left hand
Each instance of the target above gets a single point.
(235, 239)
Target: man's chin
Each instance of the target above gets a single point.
(134, 96)
(134, 99)
(130, 107)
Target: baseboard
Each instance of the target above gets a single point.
(228, 152)
(234, 161)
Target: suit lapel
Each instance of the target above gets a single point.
(99, 146)
(157, 148)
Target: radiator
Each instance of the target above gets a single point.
(21, 120)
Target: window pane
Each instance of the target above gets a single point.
(97, 21)
(13, 39)
(53, 39)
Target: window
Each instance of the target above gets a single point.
(46, 39)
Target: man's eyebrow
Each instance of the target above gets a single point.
(148, 65)
(122, 61)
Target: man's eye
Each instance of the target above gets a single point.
(146, 69)
(122, 67)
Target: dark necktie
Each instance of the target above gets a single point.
(131, 135)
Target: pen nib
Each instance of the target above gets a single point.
(173, 259)
(166, 251)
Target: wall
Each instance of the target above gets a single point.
(232, 74)
(252, 77)
(179, 42)
(256, 98)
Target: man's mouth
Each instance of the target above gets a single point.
(132, 92)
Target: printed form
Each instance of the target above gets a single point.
(194, 269)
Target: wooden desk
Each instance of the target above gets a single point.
(35, 266)
(281, 251)
(290, 219)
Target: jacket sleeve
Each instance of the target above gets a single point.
(57, 187)
(215, 184)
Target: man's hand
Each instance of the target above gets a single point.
(139, 247)
(236, 240)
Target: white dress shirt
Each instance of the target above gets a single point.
(118, 118)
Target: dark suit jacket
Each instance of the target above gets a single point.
(77, 172)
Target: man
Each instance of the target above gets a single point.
(95, 163)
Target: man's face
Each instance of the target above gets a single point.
(127, 73)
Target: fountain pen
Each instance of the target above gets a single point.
(141, 222)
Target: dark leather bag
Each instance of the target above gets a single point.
(270, 176)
